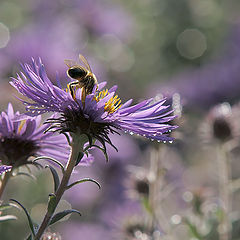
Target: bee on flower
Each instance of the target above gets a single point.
(96, 113)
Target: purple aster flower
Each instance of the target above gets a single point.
(97, 114)
(22, 137)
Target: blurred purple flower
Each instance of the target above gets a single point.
(212, 83)
(97, 115)
(22, 137)
(76, 231)
(4, 168)
(125, 219)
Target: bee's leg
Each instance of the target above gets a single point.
(83, 97)
(70, 88)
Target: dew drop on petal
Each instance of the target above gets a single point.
(164, 141)
(170, 141)
(131, 133)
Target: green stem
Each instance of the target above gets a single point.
(225, 193)
(4, 182)
(77, 146)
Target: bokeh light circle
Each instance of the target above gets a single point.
(191, 43)
(4, 35)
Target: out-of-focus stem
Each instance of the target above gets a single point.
(4, 182)
(157, 190)
(225, 193)
(77, 146)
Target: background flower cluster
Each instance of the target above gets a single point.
(186, 50)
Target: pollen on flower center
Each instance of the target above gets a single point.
(112, 105)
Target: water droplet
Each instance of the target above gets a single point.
(170, 141)
(154, 134)
(170, 130)
(158, 141)
(131, 133)
(152, 139)
(164, 141)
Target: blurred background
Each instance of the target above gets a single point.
(185, 50)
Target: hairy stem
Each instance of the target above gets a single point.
(77, 146)
(4, 182)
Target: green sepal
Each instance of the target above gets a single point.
(50, 159)
(55, 177)
(84, 180)
(30, 222)
(60, 215)
(7, 217)
(79, 158)
(52, 203)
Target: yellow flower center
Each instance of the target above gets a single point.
(112, 105)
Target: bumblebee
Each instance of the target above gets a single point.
(83, 75)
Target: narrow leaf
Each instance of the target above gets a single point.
(79, 158)
(5, 206)
(55, 177)
(60, 215)
(27, 214)
(100, 148)
(7, 217)
(27, 175)
(50, 159)
(84, 180)
(30, 237)
(52, 203)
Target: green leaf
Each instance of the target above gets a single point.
(52, 203)
(79, 158)
(51, 159)
(27, 214)
(60, 215)
(7, 217)
(84, 180)
(55, 177)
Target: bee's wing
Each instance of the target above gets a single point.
(70, 63)
(85, 62)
